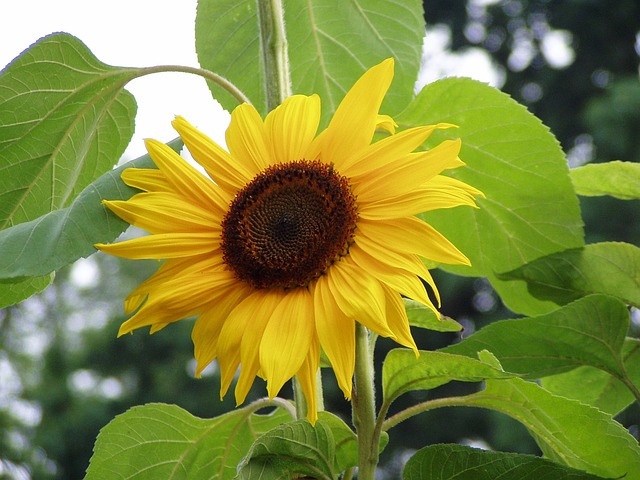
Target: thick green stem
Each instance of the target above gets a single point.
(273, 40)
(364, 407)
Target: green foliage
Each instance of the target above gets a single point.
(163, 441)
(423, 317)
(618, 179)
(598, 388)
(610, 267)
(64, 235)
(449, 462)
(590, 331)
(403, 372)
(331, 44)
(297, 449)
(530, 208)
(564, 429)
(65, 119)
(14, 291)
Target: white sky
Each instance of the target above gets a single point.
(131, 33)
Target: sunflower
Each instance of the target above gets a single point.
(293, 237)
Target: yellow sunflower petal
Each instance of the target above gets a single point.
(354, 121)
(185, 178)
(247, 138)
(400, 280)
(207, 329)
(439, 192)
(170, 269)
(337, 334)
(228, 172)
(229, 341)
(411, 263)
(250, 346)
(307, 378)
(397, 319)
(287, 338)
(359, 295)
(156, 327)
(292, 126)
(147, 179)
(407, 173)
(412, 235)
(179, 297)
(387, 151)
(164, 212)
(163, 245)
(385, 122)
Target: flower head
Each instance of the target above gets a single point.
(293, 238)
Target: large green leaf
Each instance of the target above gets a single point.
(530, 209)
(618, 179)
(423, 317)
(60, 237)
(567, 431)
(331, 43)
(64, 120)
(596, 387)
(610, 267)
(163, 441)
(298, 449)
(12, 292)
(590, 331)
(402, 372)
(458, 462)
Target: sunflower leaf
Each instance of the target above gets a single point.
(590, 331)
(423, 317)
(618, 179)
(60, 237)
(564, 429)
(342, 38)
(297, 449)
(65, 119)
(163, 441)
(402, 372)
(12, 292)
(609, 267)
(458, 462)
(530, 209)
(596, 387)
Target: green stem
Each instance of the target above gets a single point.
(271, 402)
(299, 399)
(206, 74)
(273, 40)
(364, 406)
(629, 384)
(468, 401)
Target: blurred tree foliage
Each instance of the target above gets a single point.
(64, 374)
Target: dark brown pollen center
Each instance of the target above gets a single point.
(289, 224)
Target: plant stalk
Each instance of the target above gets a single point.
(364, 407)
(273, 40)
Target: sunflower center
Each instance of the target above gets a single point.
(289, 224)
